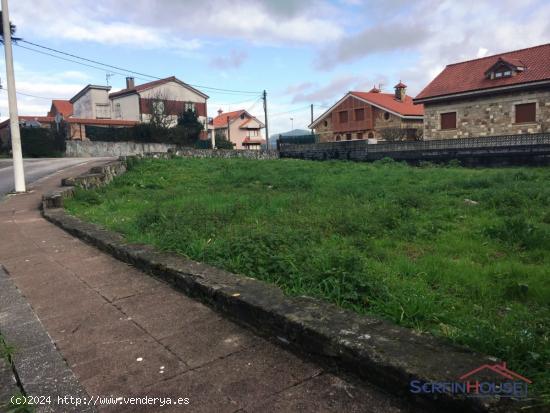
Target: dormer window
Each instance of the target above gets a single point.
(504, 68)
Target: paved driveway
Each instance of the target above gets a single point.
(36, 169)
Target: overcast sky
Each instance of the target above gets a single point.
(301, 52)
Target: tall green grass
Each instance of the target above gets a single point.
(397, 241)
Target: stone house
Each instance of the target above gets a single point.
(239, 127)
(372, 115)
(504, 94)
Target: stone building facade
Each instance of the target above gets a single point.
(506, 94)
(370, 115)
(488, 116)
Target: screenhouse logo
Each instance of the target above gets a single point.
(506, 383)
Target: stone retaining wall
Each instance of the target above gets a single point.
(101, 149)
(86, 149)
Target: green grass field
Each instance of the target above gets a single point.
(400, 242)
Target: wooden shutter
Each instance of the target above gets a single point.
(448, 120)
(360, 114)
(526, 112)
(343, 116)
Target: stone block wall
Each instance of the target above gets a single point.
(487, 116)
(109, 149)
(85, 149)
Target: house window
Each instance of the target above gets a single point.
(343, 116)
(102, 111)
(386, 115)
(371, 135)
(360, 114)
(348, 136)
(338, 137)
(325, 123)
(359, 135)
(526, 112)
(448, 120)
(118, 111)
(189, 106)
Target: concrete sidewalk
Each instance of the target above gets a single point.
(124, 333)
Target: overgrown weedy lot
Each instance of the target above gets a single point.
(460, 253)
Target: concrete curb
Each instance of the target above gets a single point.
(39, 368)
(376, 350)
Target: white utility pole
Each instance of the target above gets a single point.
(18, 172)
(213, 134)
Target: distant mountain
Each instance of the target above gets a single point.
(295, 132)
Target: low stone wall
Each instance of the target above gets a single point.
(96, 177)
(81, 149)
(374, 349)
(86, 149)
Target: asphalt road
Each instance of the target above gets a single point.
(35, 169)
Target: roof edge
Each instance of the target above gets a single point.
(478, 92)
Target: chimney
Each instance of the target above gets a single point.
(130, 83)
(374, 90)
(220, 111)
(400, 91)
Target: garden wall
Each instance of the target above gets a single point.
(85, 149)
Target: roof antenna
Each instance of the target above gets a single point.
(108, 77)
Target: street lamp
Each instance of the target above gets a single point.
(291, 123)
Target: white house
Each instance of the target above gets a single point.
(92, 102)
(135, 103)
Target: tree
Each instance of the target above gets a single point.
(189, 128)
(162, 110)
(221, 140)
(401, 134)
(12, 31)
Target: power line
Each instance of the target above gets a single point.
(290, 111)
(33, 96)
(216, 103)
(86, 59)
(125, 70)
(73, 61)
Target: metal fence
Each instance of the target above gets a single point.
(479, 142)
(510, 146)
(298, 139)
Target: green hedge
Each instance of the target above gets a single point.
(40, 143)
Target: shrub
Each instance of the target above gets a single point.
(41, 142)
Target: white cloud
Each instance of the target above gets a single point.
(43, 86)
(177, 25)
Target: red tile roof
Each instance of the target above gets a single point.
(149, 85)
(41, 119)
(64, 107)
(220, 121)
(470, 75)
(388, 102)
(83, 121)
